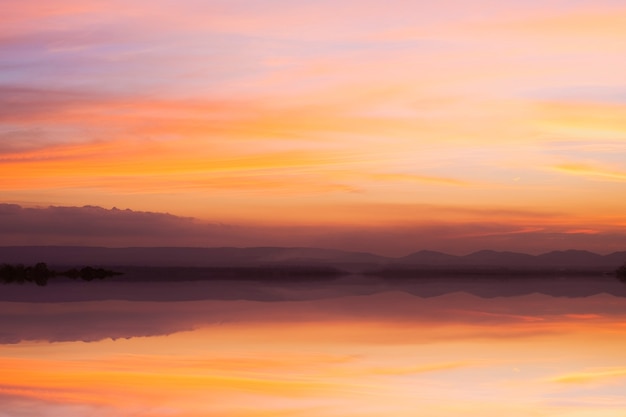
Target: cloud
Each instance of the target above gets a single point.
(27, 104)
(92, 225)
(417, 178)
(598, 123)
(404, 370)
(586, 22)
(37, 401)
(601, 376)
(89, 220)
(591, 172)
(473, 229)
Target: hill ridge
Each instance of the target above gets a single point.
(264, 255)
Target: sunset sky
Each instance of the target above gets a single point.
(384, 126)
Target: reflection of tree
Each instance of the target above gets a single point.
(621, 273)
(89, 274)
(21, 274)
(40, 273)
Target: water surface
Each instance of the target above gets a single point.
(351, 347)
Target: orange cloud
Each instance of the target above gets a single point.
(417, 178)
(401, 371)
(591, 376)
(594, 120)
(591, 172)
(582, 231)
(582, 22)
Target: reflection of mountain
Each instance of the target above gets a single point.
(273, 290)
(177, 256)
(102, 315)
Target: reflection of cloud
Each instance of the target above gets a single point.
(336, 313)
(152, 387)
(387, 354)
(89, 322)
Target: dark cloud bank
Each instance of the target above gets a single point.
(91, 225)
(97, 226)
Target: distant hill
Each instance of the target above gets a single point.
(430, 258)
(184, 256)
(230, 256)
(490, 258)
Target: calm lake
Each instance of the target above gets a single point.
(354, 346)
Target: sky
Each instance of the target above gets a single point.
(364, 125)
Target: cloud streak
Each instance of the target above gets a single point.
(599, 376)
(591, 172)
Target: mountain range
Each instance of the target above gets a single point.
(254, 256)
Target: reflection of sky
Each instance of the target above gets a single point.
(382, 354)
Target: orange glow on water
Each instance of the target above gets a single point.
(331, 366)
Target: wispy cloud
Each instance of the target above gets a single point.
(416, 178)
(584, 22)
(591, 172)
(600, 376)
(583, 120)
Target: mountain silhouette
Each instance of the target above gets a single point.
(231, 256)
